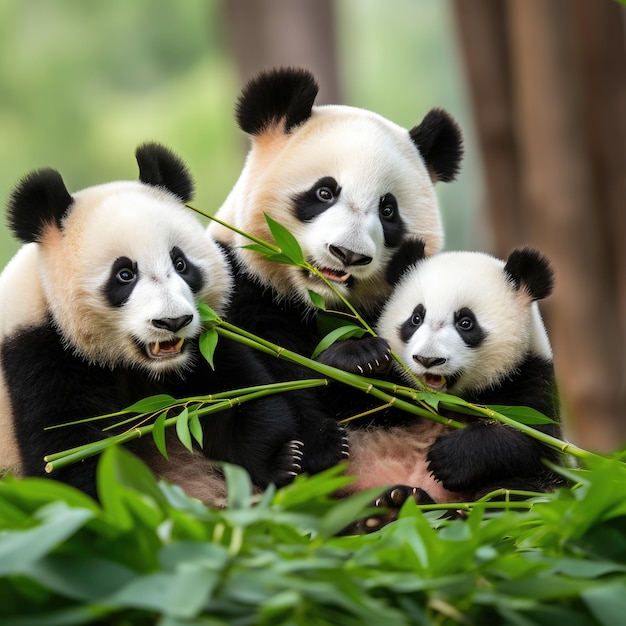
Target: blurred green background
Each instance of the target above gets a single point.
(82, 83)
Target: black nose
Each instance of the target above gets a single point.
(347, 257)
(173, 324)
(429, 361)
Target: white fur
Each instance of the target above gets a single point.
(369, 156)
(444, 284)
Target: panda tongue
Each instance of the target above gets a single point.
(335, 275)
(434, 381)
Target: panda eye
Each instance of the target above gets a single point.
(180, 265)
(324, 194)
(418, 315)
(465, 323)
(388, 207)
(125, 275)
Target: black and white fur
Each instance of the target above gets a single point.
(99, 309)
(468, 324)
(356, 191)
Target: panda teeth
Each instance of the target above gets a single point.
(166, 348)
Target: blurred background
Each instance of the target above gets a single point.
(539, 89)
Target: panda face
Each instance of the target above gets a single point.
(125, 273)
(350, 186)
(460, 324)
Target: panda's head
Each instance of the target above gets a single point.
(123, 264)
(463, 321)
(350, 185)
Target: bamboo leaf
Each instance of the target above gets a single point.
(151, 404)
(158, 434)
(208, 343)
(285, 241)
(343, 332)
(207, 314)
(182, 429)
(522, 414)
(317, 300)
(196, 428)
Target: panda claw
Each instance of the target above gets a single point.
(360, 369)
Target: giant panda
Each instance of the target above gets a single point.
(357, 192)
(467, 324)
(99, 309)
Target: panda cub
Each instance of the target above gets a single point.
(99, 310)
(467, 324)
(356, 191)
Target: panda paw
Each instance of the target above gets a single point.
(287, 464)
(368, 356)
(392, 501)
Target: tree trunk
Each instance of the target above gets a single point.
(271, 33)
(567, 94)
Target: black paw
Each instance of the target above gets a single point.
(392, 501)
(368, 356)
(325, 445)
(287, 463)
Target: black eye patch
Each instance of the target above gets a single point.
(123, 278)
(468, 327)
(412, 323)
(393, 226)
(314, 201)
(187, 270)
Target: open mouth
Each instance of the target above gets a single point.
(335, 276)
(165, 349)
(435, 382)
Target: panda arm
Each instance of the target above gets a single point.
(254, 308)
(485, 452)
(260, 435)
(48, 385)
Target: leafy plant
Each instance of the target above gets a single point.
(148, 554)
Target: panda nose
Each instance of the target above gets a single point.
(429, 361)
(348, 257)
(173, 324)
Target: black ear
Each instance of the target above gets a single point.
(160, 167)
(281, 95)
(410, 252)
(440, 142)
(39, 200)
(528, 269)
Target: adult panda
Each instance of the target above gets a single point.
(99, 309)
(356, 191)
(467, 324)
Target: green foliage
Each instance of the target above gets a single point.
(149, 554)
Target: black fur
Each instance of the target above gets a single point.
(468, 327)
(485, 455)
(292, 327)
(40, 199)
(282, 95)
(121, 282)
(440, 142)
(410, 252)
(160, 167)
(529, 269)
(49, 384)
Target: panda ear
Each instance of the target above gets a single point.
(160, 167)
(408, 254)
(282, 95)
(39, 200)
(440, 142)
(528, 269)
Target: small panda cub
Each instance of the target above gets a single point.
(100, 309)
(467, 324)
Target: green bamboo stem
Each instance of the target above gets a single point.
(237, 334)
(58, 460)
